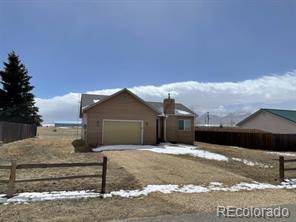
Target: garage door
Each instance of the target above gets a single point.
(122, 132)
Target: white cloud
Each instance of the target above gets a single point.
(274, 91)
(59, 107)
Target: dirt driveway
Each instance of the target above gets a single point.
(154, 168)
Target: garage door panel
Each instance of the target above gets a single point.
(122, 132)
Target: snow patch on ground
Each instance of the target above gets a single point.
(44, 196)
(176, 149)
(283, 153)
(122, 147)
(213, 186)
(236, 147)
(182, 149)
(188, 150)
(166, 189)
(251, 163)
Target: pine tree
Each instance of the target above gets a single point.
(17, 102)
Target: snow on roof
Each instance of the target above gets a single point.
(182, 112)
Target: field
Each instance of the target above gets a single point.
(55, 147)
(131, 170)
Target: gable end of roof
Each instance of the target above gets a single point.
(289, 115)
(117, 93)
(90, 100)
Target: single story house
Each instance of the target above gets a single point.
(125, 118)
(271, 120)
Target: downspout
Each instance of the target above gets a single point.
(164, 128)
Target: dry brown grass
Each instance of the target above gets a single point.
(207, 202)
(89, 210)
(257, 173)
(55, 147)
(126, 170)
(153, 205)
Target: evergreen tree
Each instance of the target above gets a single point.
(16, 98)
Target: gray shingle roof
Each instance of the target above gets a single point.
(89, 99)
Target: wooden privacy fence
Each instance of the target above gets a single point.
(242, 138)
(282, 167)
(248, 138)
(284, 142)
(14, 166)
(10, 131)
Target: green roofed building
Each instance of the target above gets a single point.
(271, 120)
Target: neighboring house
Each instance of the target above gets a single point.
(67, 123)
(272, 120)
(124, 118)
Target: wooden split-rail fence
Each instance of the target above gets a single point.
(14, 166)
(283, 168)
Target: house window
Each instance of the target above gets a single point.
(184, 124)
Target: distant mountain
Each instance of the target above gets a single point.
(229, 120)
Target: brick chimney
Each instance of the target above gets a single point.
(169, 105)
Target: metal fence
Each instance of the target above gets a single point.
(253, 139)
(10, 131)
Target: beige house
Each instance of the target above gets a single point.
(124, 118)
(272, 120)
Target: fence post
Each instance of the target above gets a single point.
(282, 168)
(104, 173)
(11, 183)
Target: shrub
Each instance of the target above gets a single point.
(80, 146)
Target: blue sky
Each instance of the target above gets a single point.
(217, 56)
(78, 46)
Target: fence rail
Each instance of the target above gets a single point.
(10, 131)
(14, 166)
(282, 167)
(247, 138)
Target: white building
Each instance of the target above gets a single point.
(272, 120)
